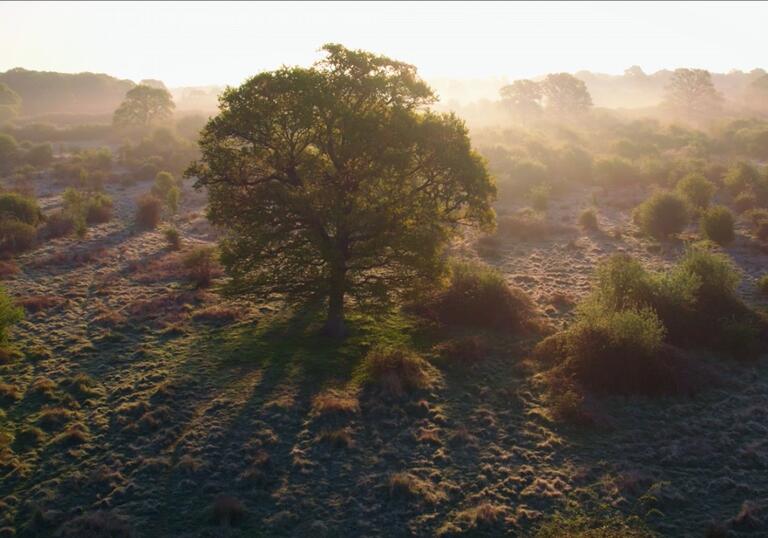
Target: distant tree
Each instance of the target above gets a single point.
(757, 93)
(523, 97)
(144, 106)
(10, 102)
(565, 94)
(691, 93)
(337, 181)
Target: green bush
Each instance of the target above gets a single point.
(717, 274)
(173, 237)
(19, 207)
(745, 201)
(98, 208)
(614, 171)
(539, 196)
(717, 224)
(148, 212)
(762, 284)
(617, 350)
(478, 296)
(58, 224)
(740, 177)
(16, 236)
(200, 263)
(696, 189)
(10, 314)
(588, 219)
(662, 215)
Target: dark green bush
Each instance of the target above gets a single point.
(717, 224)
(588, 219)
(10, 314)
(200, 265)
(16, 236)
(478, 296)
(662, 215)
(696, 189)
(173, 237)
(19, 207)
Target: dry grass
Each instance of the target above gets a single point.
(408, 486)
(334, 402)
(220, 314)
(338, 438)
(54, 417)
(396, 371)
(96, 525)
(37, 303)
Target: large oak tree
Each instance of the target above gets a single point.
(144, 106)
(337, 181)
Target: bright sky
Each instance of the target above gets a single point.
(196, 43)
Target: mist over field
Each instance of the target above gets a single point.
(383, 269)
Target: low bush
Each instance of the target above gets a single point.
(396, 371)
(696, 189)
(172, 237)
(662, 215)
(717, 224)
(762, 284)
(16, 236)
(539, 196)
(740, 177)
(148, 212)
(58, 224)
(478, 296)
(200, 265)
(588, 219)
(744, 201)
(98, 209)
(21, 208)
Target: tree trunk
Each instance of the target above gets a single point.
(334, 323)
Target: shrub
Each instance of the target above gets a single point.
(696, 189)
(396, 371)
(744, 201)
(717, 274)
(588, 219)
(717, 225)
(478, 296)
(166, 188)
(21, 208)
(148, 212)
(58, 224)
(617, 350)
(173, 237)
(98, 209)
(740, 177)
(614, 171)
(16, 236)
(199, 264)
(663, 214)
(539, 196)
(762, 284)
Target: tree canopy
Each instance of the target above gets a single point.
(691, 93)
(337, 181)
(565, 94)
(144, 106)
(523, 97)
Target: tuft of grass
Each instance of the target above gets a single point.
(333, 403)
(172, 237)
(338, 438)
(96, 525)
(54, 417)
(405, 485)
(74, 434)
(9, 393)
(396, 371)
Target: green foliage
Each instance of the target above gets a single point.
(9, 152)
(331, 214)
(199, 263)
(614, 171)
(148, 212)
(762, 284)
(10, 314)
(10, 102)
(565, 94)
(173, 237)
(696, 189)
(539, 196)
(662, 215)
(588, 219)
(740, 177)
(166, 188)
(19, 207)
(40, 155)
(717, 274)
(478, 296)
(717, 224)
(603, 522)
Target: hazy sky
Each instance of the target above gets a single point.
(222, 43)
